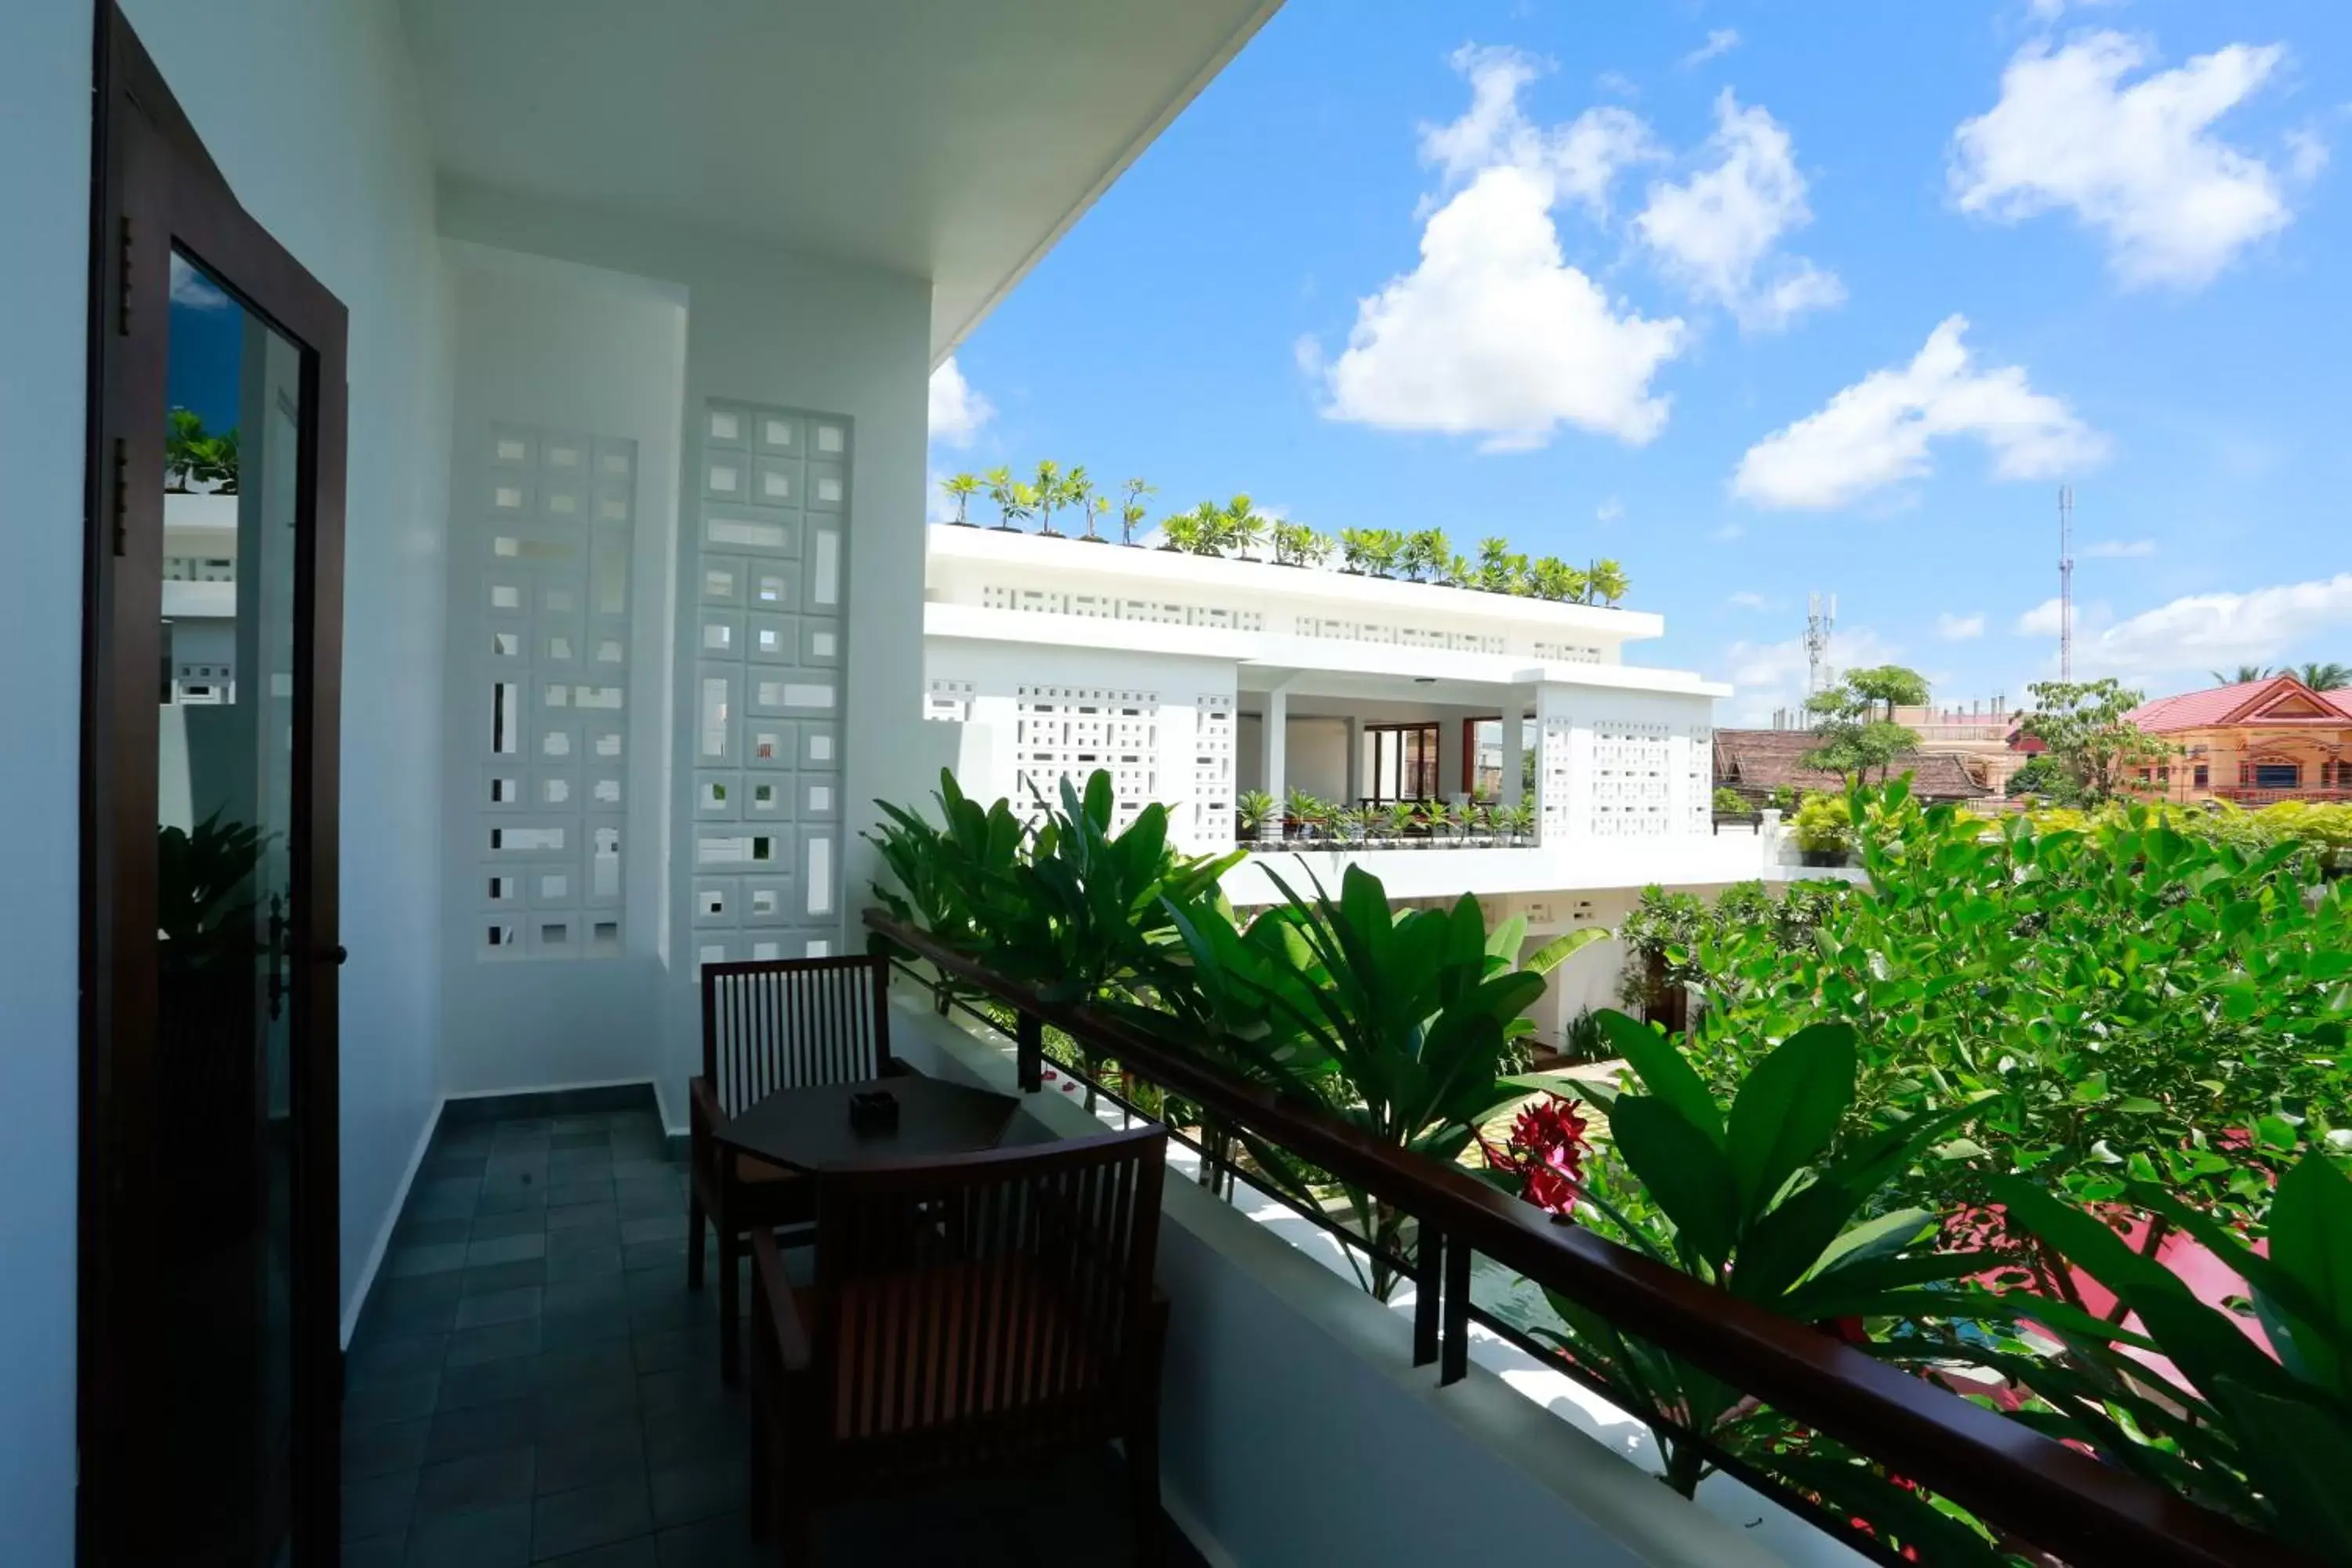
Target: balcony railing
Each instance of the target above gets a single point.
(2248, 796)
(2034, 1489)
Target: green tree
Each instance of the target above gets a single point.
(1854, 725)
(1606, 583)
(1296, 545)
(1131, 510)
(1003, 489)
(2090, 740)
(1049, 491)
(2327, 677)
(1382, 546)
(1459, 572)
(1495, 573)
(961, 489)
(2246, 674)
(1426, 553)
(1078, 491)
(1241, 527)
(1554, 579)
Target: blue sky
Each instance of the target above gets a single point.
(1759, 300)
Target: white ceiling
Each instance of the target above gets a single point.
(952, 140)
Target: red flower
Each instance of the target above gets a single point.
(1547, 1148)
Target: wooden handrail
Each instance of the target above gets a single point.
(2058, 1498)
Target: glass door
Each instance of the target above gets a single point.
(211, 1365)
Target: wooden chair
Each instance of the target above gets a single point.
(776, 1024)
(970, 1313)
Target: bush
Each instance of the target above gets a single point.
(1729, 802)
(1823, 824)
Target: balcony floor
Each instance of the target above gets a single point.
(532, 1382)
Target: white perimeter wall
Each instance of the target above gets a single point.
(313, 115)
(45, 95)
(768, 327)
(556, 346)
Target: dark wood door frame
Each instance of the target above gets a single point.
(154, 188)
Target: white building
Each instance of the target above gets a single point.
(1193, 680)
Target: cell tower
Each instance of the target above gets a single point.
(2065, 582)
(1820, 619)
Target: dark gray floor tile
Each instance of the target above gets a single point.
(470, 1346)
(379, 1505)
(514, 1222)
(666, 1349)
(447, 1197)
(596, 1225)
(485, 1538)
(717, 1432)
(441, 1259)
(585, 1261)
(637, 1553)
(592, 1206)
(579, 1164)
(505, 1249)
(384, 1449)
(699, 1490)
(524, 1199)
(454, 1165)
(586, 1363)
(431, 1232)
(499, 1306)
(641, 1255)
(457, 1434)
(577, 1295)
(493, 1277)
(381, 1360)
(404, 1399)
(606, 1455)
(675, 1307)
(476, 1481)
(567, 1407)
(403, 1295)
(375, 1551)
(668, 1227)
(589, 1516)
(580, 1135)
(587, 1326)
(488, 1383)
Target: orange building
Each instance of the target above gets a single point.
(2256, 742)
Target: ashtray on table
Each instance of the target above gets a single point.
(874, 1110)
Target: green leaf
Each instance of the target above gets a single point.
(1552, 954)
(1787, 1110)
(1685, 1173)
(1664, 1071)
(2298, 1455)
(2311, 1243)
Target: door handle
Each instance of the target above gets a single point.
(336, 954)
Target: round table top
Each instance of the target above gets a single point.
(807, 1128)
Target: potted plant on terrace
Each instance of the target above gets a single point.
(1050, 490)
(1424, 555)
(1400, 816)
(1181, 531)
(959, 490)
(1355, 550)
(1605, 583)
(1240, 528)
(1131, 510)
(1824, 829)
(1255, 810)
(1005, 492)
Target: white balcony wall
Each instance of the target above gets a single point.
(553, 350)
(44, 267)
(770, 328)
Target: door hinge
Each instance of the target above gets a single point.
(122, 492)
(122, 275)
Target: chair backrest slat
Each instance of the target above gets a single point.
(785, 1023)
(983, 1302)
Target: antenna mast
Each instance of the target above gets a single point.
(1820, 619)
(2065, 582)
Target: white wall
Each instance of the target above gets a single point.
(45, 98)
(313, 115)
(769, 327)
(558, 346)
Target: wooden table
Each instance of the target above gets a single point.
(808, 1129)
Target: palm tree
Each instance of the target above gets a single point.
(1383, 547)
(1049, 493)
(961, 490)
(1606, 582)
(1181, 531)
(1131, 510)
(1078, 491)
(2247, 675)
(1001, 487)
(1355, 549)
(1210, 524)
(2328, 676)
(1494, 573)
(1458, 572)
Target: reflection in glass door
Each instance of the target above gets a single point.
(225, 849)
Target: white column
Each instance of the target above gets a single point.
(1273, 735)
(1514, 722)
(1355, 760)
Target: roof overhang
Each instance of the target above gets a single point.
(948, 140)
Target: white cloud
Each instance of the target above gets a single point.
(192, 291)
(1609, 510)
(2051, 10)
(1876, 433)
(1728, 532)
(1714, 232)
(1959, 629)
(2208, 631)
(2117, 549)
(2138, 165)
(1721, 41)
(957, 411)
(2306, 155)
(1747, 600)
(1494, 334)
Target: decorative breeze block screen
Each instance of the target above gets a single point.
(1069, 732)
(1630, 785)
(1103, 607)
(766, 600)
(1553, 779)
(1567, 653)
(1698, 780)
(1213, 769)
(552, 529)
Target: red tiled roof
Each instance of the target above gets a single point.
(1760, 761)
(2231, 704)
